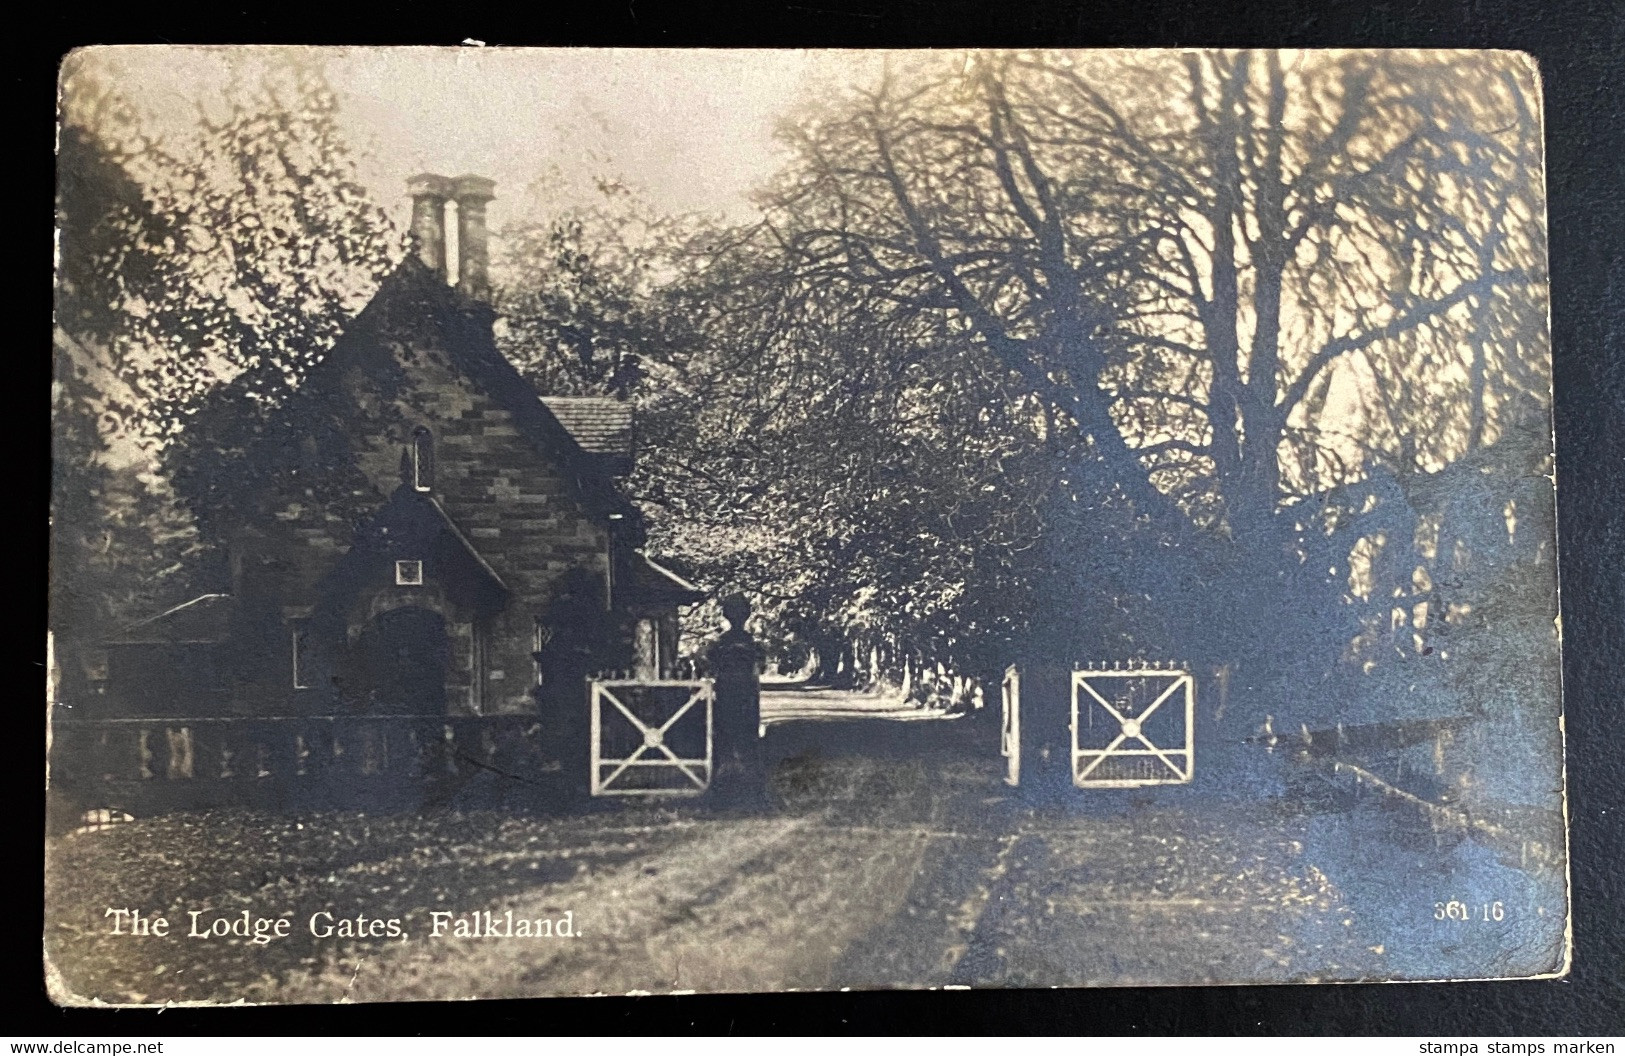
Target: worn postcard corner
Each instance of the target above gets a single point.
(535, 523)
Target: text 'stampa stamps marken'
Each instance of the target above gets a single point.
(538, 522)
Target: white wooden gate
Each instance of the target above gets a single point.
(1010, 729)
(1133, 726)
(651, 737)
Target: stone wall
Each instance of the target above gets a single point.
(511, 501)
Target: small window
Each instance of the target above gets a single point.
(422, 459)
(540, 634)
(301, 654)
(409, 573)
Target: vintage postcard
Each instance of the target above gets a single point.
(555, 522)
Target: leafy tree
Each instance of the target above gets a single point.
(197, 282)
(118, 539)
(842, 465)
(279, 246)
(580, 299)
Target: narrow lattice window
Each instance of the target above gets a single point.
(422, 459)
(300, 659)
(478, 663)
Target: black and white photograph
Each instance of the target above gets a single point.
(553, 522)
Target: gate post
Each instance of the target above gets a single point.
(736, 668)
(1044, 734)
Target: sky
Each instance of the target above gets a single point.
(691, 130)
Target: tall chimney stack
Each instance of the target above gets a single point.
(429, 194)
(473, 243)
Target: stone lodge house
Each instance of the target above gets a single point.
(428, 535)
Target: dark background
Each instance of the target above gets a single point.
(1580, 46)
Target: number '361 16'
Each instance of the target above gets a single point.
(1454, 910)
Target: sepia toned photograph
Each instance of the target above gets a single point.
(545, 522)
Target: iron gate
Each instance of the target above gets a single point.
(1010, 729)
(1133, 726)
(651, 737)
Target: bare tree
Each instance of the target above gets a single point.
(1244, 279)
(1201, 259)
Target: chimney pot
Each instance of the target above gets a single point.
(471, 193)
(429, 194)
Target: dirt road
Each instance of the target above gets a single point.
(868, 866)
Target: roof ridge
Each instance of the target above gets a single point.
(177, 608)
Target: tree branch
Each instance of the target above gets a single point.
(1415, 316)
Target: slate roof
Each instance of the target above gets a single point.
(652, 581)
(601, 425)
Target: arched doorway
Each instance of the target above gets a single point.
(400, 662)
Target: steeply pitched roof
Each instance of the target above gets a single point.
(202, 620)
(412, 525)
(602, 425)
(465, 328)
(413, 303)
(468, 547)
(653, 582)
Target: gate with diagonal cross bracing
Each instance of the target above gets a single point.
(651, 737)
(1133, 726)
